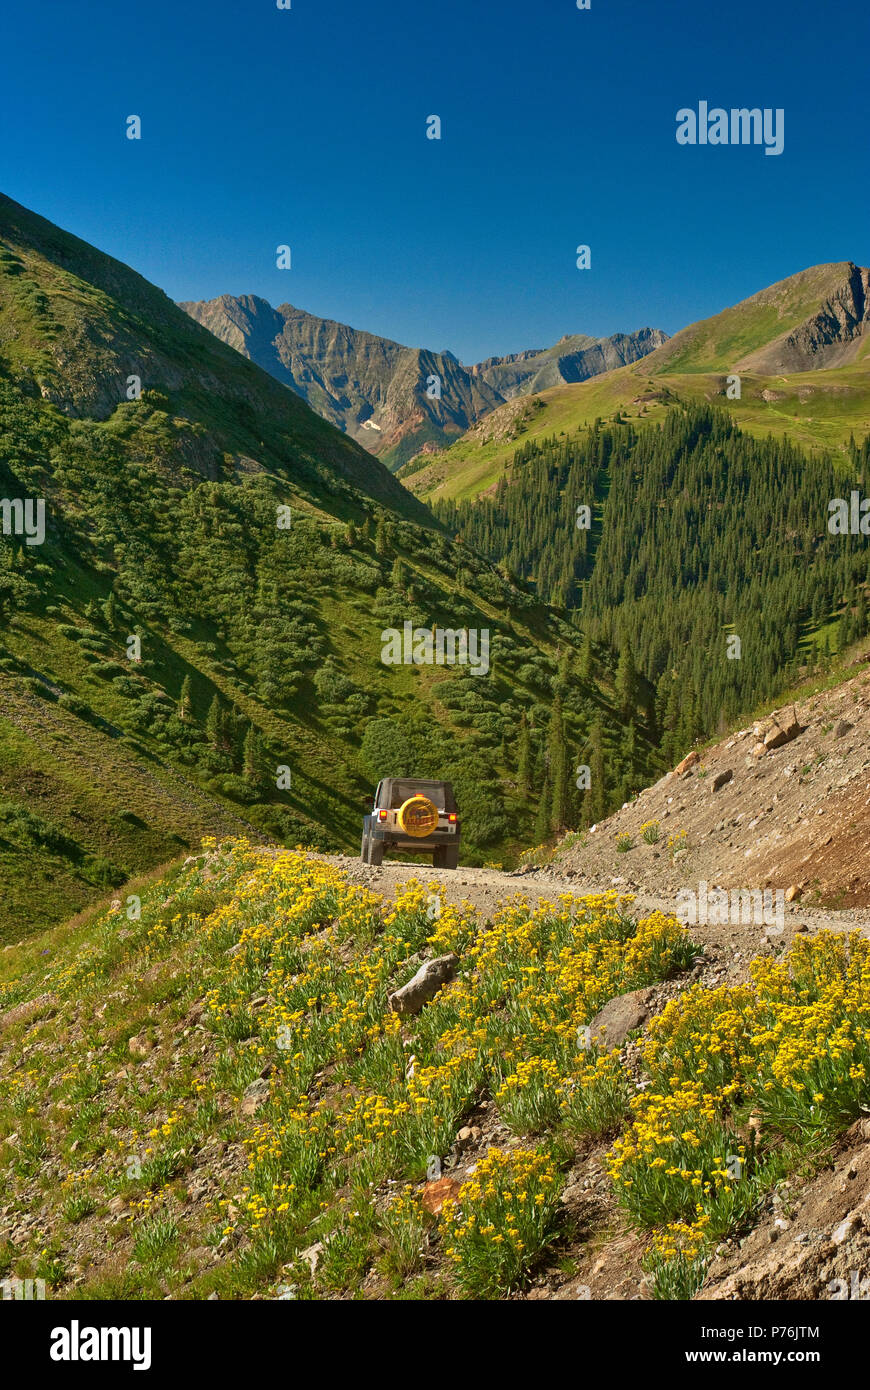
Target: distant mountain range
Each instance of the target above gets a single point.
(398, 401)
(576, 357)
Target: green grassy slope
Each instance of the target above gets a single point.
(76, 324)
(725, 341)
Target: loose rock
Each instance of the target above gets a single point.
(424, 985)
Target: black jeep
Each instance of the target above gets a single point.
(414, 815)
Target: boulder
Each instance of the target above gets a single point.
(424, 985)
(255, 1095)
(721, 779)
(620, 1016)
(311, 1255)
(781, 729)
(688, 762)
(469, 1134)
(435, 1194)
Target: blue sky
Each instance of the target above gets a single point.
(307, 127)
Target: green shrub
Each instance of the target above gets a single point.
(80, 708)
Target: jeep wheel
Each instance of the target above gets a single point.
(445, 857)
(363, 853)
(376, 852)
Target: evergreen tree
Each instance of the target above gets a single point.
(558, 760)
(251, 756)
(539, 773)
(587, 663)
(542, 820)
(185, 701)
(214, 723)
(626, 684)
(597, 773)
(524, 757)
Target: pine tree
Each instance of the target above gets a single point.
(626, 684)
(564, 674)
(185, 702)
(540, 771)
(597, 773)
(524, 757)
(110, 611)
(214, 723)
(671, 738)
(542, 820)
(587, 663)
(251, 756)
(558, 758)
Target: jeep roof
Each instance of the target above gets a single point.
(392, 792)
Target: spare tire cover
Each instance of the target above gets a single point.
(418, 816)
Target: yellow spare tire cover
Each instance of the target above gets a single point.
(418, 817)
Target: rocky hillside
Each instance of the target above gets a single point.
(784, 804)
(383, 394)
(810, 321)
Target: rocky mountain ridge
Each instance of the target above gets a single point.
(398, 401)
(809, 321)
(576, 357)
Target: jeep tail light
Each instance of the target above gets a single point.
(382, 815)
(451, 817)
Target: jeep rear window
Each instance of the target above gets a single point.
(403, 789)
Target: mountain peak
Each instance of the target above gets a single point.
(813, 319)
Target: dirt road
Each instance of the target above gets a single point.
(727, 949)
